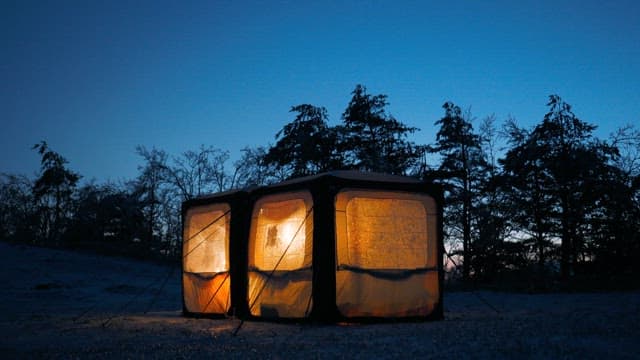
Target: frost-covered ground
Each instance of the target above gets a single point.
(57, 304)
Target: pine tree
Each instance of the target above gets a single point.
(375, 140)
(307, 145)
(460, 170)
(558, 173)
(53, 191)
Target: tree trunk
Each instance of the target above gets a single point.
(466, 228)
(565, 246)
(466, 243)
(540, 241)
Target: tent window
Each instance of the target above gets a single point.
(281, 239)
(280, 242)
(206, 239)
(382, 230)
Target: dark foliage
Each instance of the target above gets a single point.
(373, 140)
(52, 192)
(461, 171)
(307, 145)
(368, 139)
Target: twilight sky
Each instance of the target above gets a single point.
(96, 78)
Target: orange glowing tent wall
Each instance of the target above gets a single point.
(336, 246)
(213, 253)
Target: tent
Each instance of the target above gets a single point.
(336, 246)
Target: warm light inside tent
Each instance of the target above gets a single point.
(386, 242)
(280, 237)
(280, 253)
(206, 239)
(257, 253)
(386, 233)
(206, 282)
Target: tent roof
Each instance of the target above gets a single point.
(345, 177)
(354, 175)
(230, 195)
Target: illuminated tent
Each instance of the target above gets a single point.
(210, 254)
(336, 246)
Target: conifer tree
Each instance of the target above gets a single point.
(460, 170)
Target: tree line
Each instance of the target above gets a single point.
(536, 205)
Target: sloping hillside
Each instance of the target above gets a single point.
(64, 304)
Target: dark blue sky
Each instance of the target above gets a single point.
(97, 78)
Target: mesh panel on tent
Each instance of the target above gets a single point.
(386, 247)
(386, 233)
(280, 255)
(206, 282)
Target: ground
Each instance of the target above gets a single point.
(60, 304)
